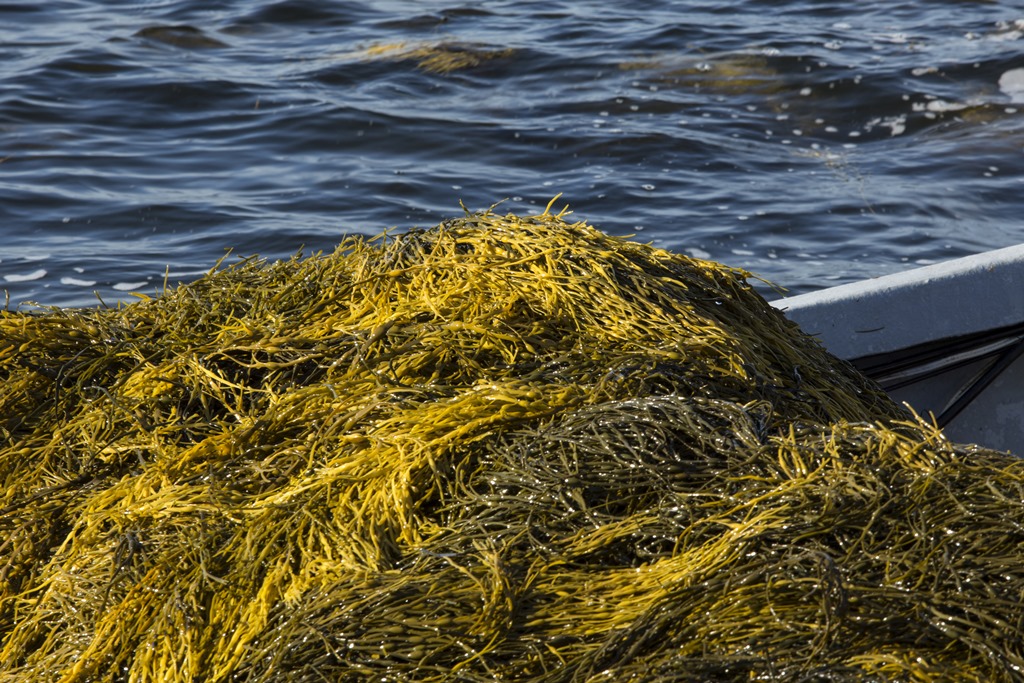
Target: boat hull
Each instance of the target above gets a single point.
(947, 339)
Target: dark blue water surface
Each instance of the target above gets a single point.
(811, 142)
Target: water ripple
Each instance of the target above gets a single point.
(804, 141)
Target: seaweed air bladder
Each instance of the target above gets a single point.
(503, 448)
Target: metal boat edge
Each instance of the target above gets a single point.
(947, 339)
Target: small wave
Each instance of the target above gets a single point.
(184, 37)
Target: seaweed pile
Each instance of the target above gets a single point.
(504, 448)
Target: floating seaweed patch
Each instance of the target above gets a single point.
(442, 57)
(504, 448)
(725, 73)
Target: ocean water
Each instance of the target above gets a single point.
(810, 142)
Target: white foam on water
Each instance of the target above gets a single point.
(897, 125)
(894, 38)
(1012, 84)
(939, 106)
(129, 286)
(25, 277)
(698, 253)
(77, 282)
(1007, 31)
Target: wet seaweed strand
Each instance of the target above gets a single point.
(504, 448)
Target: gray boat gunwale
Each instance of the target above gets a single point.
(946, 338)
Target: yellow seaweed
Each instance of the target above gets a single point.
(725, 73)
(504, 448)
(441, 57)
